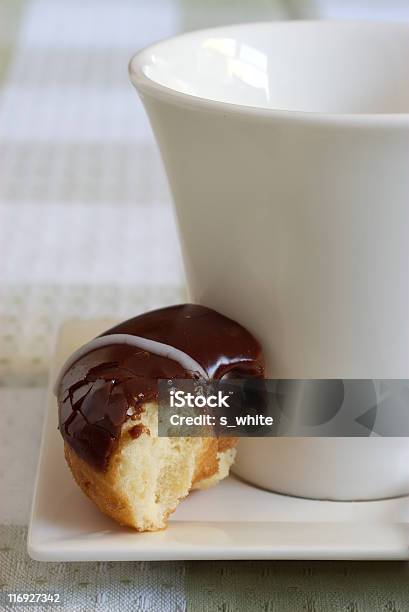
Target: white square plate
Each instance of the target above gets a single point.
(231, 521)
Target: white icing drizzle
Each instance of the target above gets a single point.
(144, 344)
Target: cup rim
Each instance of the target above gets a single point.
(150, 87)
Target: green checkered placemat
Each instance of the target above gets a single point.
(262, 586)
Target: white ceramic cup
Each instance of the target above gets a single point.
(287, 150)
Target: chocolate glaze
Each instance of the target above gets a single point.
(106, 386)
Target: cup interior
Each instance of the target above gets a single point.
(321, 67)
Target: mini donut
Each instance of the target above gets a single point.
(108, 411)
